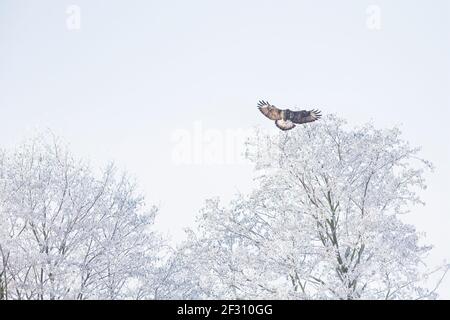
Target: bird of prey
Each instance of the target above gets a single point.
(286, 119)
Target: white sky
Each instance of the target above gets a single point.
(137, 71)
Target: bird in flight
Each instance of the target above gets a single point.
(286, 119)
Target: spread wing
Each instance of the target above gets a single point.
(269, 110)
(284, 125)
(305, 116)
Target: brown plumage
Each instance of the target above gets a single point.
(286, 119)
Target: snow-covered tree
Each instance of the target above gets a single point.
(325, 221)
(69, 233)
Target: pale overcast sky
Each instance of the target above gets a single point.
(135, 72)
